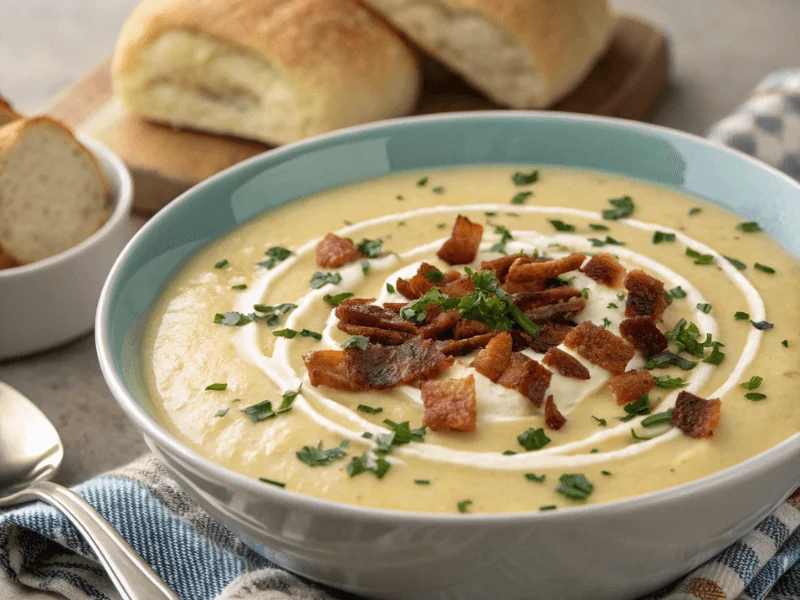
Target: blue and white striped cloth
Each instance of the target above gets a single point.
(42, 557)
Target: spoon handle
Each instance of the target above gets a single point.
(132, 576)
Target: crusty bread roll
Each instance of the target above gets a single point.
(520, 53)
(53, 194)
(7, 113)
(269, 70)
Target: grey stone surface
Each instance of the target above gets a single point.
(720, 50)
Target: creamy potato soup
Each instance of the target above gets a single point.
(482, 340)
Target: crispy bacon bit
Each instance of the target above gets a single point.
(395, 307)
(522, 287)
(376, 335)
(356, 312)
(458, 288)
(493, 360)
(462, 247)
(605, 269)
(467, 328)
(552, 416)
(450, 404)
(382, 367)
(542, 271)
(643, 334)
(646, 295)
(419, 284)
(334, 251)
(600, 346)
(329, 368)
(526, 376)
(552, 334)
(630, 386)
(566, 365)
(696, 416)
(440, 324)
(465, 346)
(501, 265)
(563, 311)
(530, 300)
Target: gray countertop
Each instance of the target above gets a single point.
(720, 49)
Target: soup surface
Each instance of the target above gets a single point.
(232, 328)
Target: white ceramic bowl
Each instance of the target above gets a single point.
(613, 551)
(53, 301)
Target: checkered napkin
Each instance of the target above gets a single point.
(42, 557)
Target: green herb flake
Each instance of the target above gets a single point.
(222, 264)
(317, 456)
(508, 453)
(217, 387)
(636, 408)
(438, 190)
(716, 357)
(597, 227)
(241, 286)
(232, 319)
(764, 269)
(594, 451)
(609, 241)
(403, 434)
(288, 397)
(368, 462)
(574, 486)
(370, 410)
(749, 227)
(762, 325)
(279, 484)
(755, 396)
(612, 305)
(271, 314)
(222, 413)
(669, 383)
(548, 507)
(699, 259)
(365, 266)
(260, 412)
(463, 506)
(336, 299)
(736, 263)
(741, 316)
(440, 226)
(434, 275)
(367, 435)
(370, 248)
(753, 383)
(667, 359)
(505, 237)
(606, 473)
(657, 419)
(785, 343)
(623, 207)
(559, 225)
(390, 288)
(535, 477)
(276, 254)
(660, 237)
(400, 197)
(422, 182)
(585, 293)
(320, 279)
(521, 197)
(291, 334)
(677, 292)
(600, 422)
(695, 211)
(704, 308)
(640, 438)
(533, 439)
(422, 481)
(357, 341)
(606, 323)
(520, 178)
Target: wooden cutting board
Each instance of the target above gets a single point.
(165, 161)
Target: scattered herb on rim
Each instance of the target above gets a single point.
(422, 182)
(357, 341)
(623, 207)
(222, 264)
(749, 227)
(764, 268)
(521, 197)
(559, 225)
(217, 386)
(736, 263)
(320, 279)
(660, 237)
(533, 439)
(535, 477)
(317, 456)
(741, 316)
(276, 254)
(370, 410)
(520, 178)
(574, 486)
(279, 484)
(337, 299)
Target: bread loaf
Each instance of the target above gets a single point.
(53, 194)
(520, 53)
(269, 70)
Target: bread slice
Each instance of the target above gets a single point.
(520, 53)
(269, 70)
(53, 194)
(7, 113)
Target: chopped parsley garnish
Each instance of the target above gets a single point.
(390, 288)
(612, 305)
(606, 323)
(337, 299)
(422, 182)
(699, 259)
(666, 359)
(677, 292)
(561, 226)
(241, 286)
(370, 410)
(716, 357)
(263, 410)
(785, 343)
(520, 178)
(660, 237)
(749, 227)
(370, 248)
(222, 413)
(279, 484)
(403, 434)
(636, 408)
(463, 506)
(438, 190)
(594, 451)
(736, 263)
(640, 438)
(597, 227)
(271, 314)
(400, 197)
(276, 254)
(600, 422)
(623, 207)
(609, 241)
(319, 279)
(508, 453)
(290, 334)
(222, 264)
(669, 383)
(753, 383)
(434, 275)
(685, 335)
(694, 211)
(533, 439)
(357, 341)
(232, 318)
(755, 396)
(606, 473)
(422, 481)
(657, 419)
(585, 293)
(440, 226)
(762, 325)
(574, 486)
(741, 316)
(521, 197)
(367, 435)
(704, 307)
(365, 266)
(217, 386)
(505, 237)
(317, 456)
(548, 507)
(535, 477)
(764, 268)
(368, 462)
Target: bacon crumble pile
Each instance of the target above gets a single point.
(402, 352)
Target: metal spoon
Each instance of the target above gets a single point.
(30, 454)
